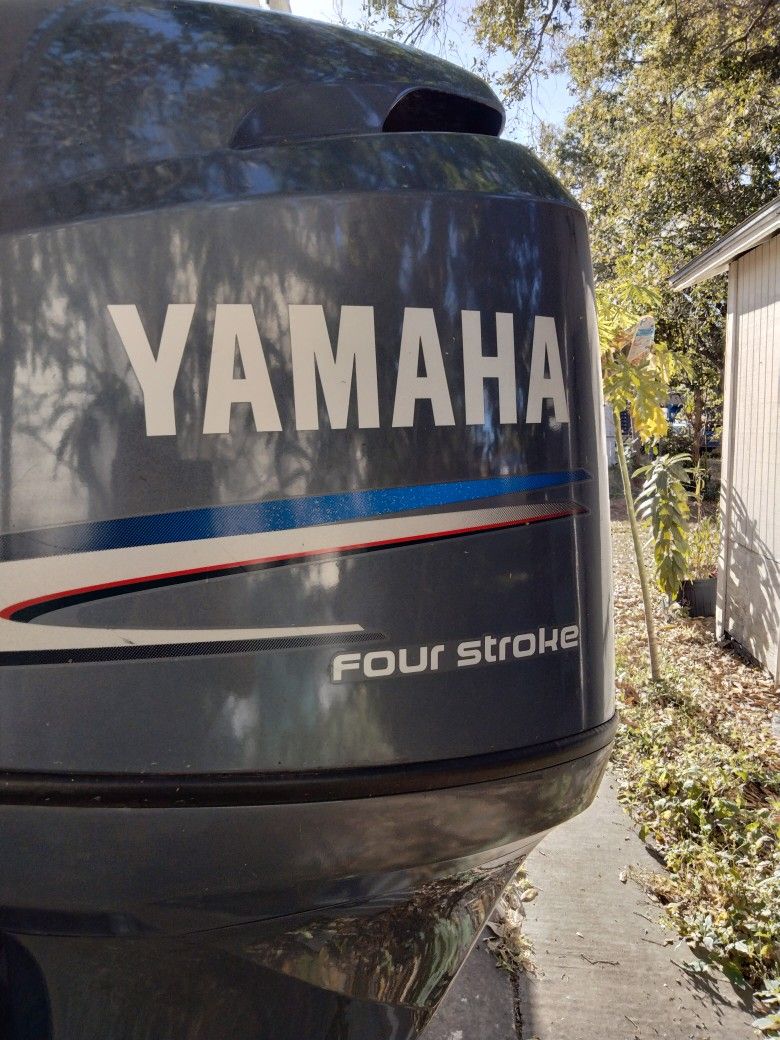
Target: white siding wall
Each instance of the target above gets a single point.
(749, 572)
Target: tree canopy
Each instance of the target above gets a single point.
(674, 136)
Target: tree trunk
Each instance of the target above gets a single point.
(698, 425)
(652, 642)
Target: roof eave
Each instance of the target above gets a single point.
(715, 260)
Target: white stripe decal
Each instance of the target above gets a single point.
(25, 581)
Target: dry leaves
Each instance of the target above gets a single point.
(505, 939)
(733, 693)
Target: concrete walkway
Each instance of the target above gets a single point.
(606, 969)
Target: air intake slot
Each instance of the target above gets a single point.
(431, 111)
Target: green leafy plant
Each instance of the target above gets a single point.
(699, 476)
(641, 384)
(663, 501)
(703, 549)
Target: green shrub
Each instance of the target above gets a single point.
(712, 807)
(663, 501)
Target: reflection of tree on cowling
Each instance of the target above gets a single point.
(104, 86)
(101, 87)
(404, 949)
(310, 255)
(270, 252)
(69, 402)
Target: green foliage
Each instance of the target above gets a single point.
(641, 385)
(663, 501)
(515, 31)
(644, 386)
(693, 321)
(672, 141)
(709, 802)
(676, 442)
(703, 548)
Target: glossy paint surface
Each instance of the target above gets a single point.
(285, 591)
(78, 452)
(325, 921)
(98, 85)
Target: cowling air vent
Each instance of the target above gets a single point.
(432, 111)
(295, 112)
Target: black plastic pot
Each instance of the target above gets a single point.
(699, 597)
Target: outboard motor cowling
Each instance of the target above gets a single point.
(305, 632)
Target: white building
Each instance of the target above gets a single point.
(748, 606)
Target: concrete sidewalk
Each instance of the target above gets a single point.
(606, 969)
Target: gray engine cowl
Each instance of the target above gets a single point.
(305, 632)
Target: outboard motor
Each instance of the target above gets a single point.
(305, 632)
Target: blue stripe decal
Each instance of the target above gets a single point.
(277, 515)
